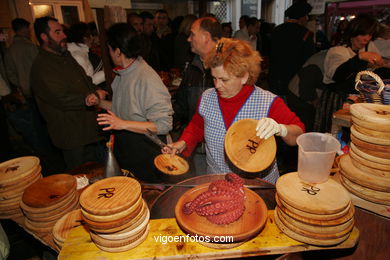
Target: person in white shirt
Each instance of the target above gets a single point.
(79, 41)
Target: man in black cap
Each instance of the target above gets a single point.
(291, 45)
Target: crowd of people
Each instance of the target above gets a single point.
(56, 97)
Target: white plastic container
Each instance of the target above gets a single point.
(315, 156)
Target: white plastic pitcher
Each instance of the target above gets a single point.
(315, 156)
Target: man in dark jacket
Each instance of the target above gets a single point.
(205, 32)
(291, 45)
(60, 86)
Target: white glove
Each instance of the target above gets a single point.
(267, 127)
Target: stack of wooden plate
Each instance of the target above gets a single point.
(15, 176)
(47, 200)
(365, 171)
(63, 226)
(115, 213)
(317, 214)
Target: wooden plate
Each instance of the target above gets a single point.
(129, 232)
(126, 247)
(321, 217)
(49, 190)
(171, 164)
(381, 161)
(371, 146)
(52, 208)
(17, 168)
(246, 150)
(115, 216)
(370, 125)
(307, 230)
(128, 225)
(120, 242)
(323, 198)
(366, 193)
(110, 195)
(23, 182)
(370, 139)
(385, 155)
(247, 226)
(21, 188)
(63, 226)
(371, 133)
(374, 113)
(367, 169)
(308, 240)
(363, 178)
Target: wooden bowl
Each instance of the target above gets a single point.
(246, 150)
(246, 227)
(171, 164)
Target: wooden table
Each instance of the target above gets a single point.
(374, 229)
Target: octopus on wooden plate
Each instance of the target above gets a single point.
(222, 203)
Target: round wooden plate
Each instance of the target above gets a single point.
(128, 232)
(363, 178)
(110, 195)
(115, 216)
(368, 169)
(171, 164)
(370, 139)
(315, 231)
(371, 146)
(247, 226)
(120, 242)
(52, 208)
(126, 247)
(372, 133)
(385, 155)
(17, 168)
(23, 182)
(63, 226)
(381, 161)
(321, 217)
(131, 224)
(21, 188)
(370, 125)
(329, 197)
(374, 113)
(366, 193)
(49, 190)
(246, 150)
(304, 239)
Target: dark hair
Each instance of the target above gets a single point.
(252, 21)
(162, 11)
(78, 31)
(92, 28)
(211, 25)
(146, 15)
(19, 23)
(363, 24)
(41, 25)
(245, 18)
(130, 15)
(125, 38)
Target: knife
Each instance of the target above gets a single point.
(154, 138)
(194, 185)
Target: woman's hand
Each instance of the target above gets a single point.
(372, 58)
(174, 148)
(111, 120)
(267, 127)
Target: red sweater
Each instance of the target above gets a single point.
(194, 132)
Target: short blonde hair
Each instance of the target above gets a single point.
(237, 57)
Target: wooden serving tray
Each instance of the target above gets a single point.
(246, 150)
(78, 245)
(171, 164)
(246, 227)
